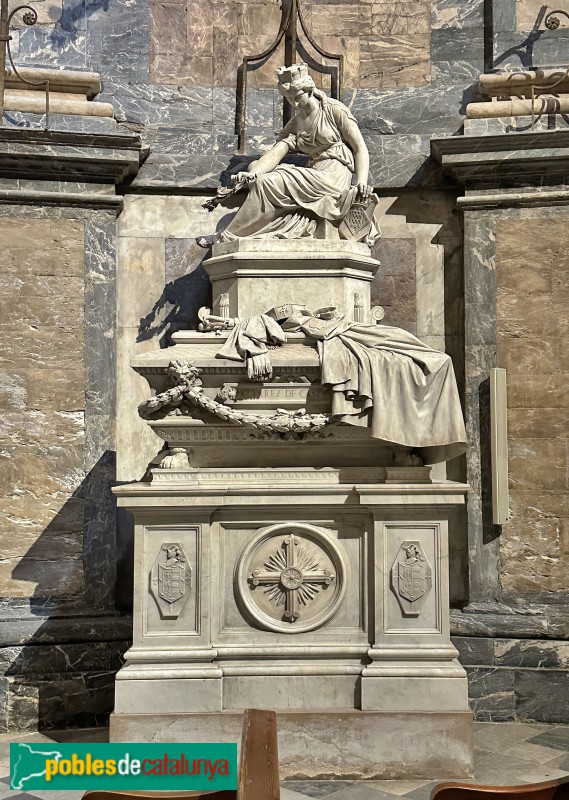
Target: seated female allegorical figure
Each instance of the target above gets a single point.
(287, 201)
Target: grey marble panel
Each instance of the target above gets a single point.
(504, 15)
(144, 104)
(118, 40)
(44, 46)
(173, 170)
(261, 107)
(182, 139)
(4, 720)
(20, 623)
(542, 695)
(63, 122)
(457, 14)
(531, 653)
(58, 671)
(456, 46)
(480, 349)
(423, 110)
(460, 77)
(100, 377)
(224, 111)
(80, 700)
(531, 49)
(494, 624)
(22, 702)
(558, 618)
(62, 659)
(474, 651)
(491, 693)
(61, 187)
(74, 13)
(397, 161)
(457, 59)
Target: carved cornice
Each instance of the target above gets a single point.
(488, 160)
(66, 155)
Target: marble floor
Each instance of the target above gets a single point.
(505, 753)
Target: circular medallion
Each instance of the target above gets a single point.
(291, 577)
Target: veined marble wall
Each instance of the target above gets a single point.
(520, 38)
(532, 324)
(43, 407)
(57, 464)
(385, 44)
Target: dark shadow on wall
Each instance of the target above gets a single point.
(68, 648)
(68, 27)
(177, 307)
(524, 50)
(490, 532)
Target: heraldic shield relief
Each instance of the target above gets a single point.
(411, 578)
(170, 580)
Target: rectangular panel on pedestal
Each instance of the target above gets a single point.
(412, 595)
(172, 564)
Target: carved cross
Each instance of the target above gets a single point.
(292, 577)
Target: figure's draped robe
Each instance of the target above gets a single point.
(286, 202)
(381, 378)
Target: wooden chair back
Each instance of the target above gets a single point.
(258, 773)
(548, 790)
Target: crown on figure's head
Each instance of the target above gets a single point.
(297, 73)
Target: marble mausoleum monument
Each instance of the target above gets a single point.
(255, 356)
(291, 537)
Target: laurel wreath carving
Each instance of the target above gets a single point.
(188, 386)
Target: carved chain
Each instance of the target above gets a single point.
(188, 387)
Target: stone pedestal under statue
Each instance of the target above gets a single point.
(283, 558)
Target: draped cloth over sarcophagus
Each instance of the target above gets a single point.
(381, 377)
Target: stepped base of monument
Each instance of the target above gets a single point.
(324, 745)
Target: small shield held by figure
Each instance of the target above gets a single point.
(356, 225)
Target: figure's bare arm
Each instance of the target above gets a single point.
(270, 159)
(266, 163)
(355, 140)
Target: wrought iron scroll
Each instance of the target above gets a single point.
(558, 77)
(292, 18)
(30, 18)
(552, 21)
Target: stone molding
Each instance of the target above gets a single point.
(68, 156)
(70, 92)
(111, 202)
(513, 199)
(522, 92)
(487, 160)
